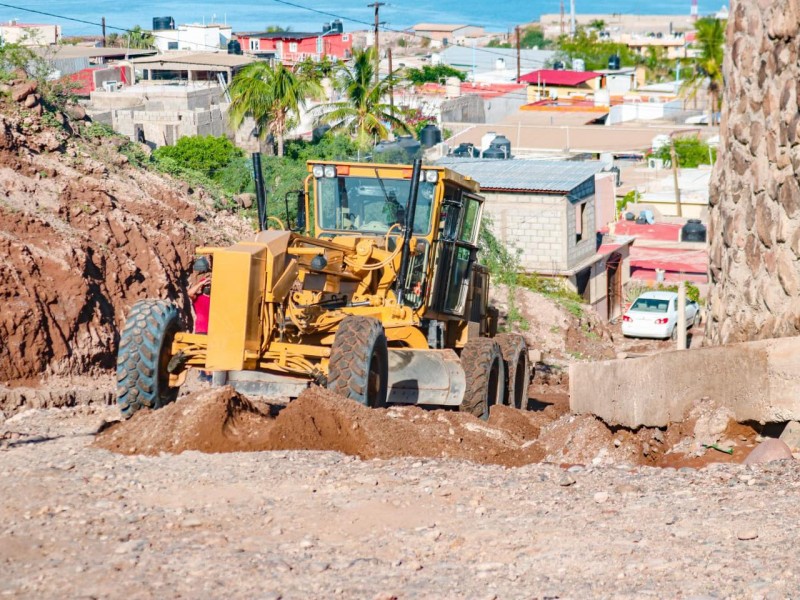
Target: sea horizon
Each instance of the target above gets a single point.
(302, 15)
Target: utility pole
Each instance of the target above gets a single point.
(103, 21)
(674, 158)
(376, 6)
(518, 54)
(561, 22)
(391, 87)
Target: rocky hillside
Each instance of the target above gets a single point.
(83, 235)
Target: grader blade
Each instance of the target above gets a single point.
(425, 377)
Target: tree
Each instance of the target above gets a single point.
(533, 37)
(595, 52)
(112, 40)
(276, 29)
(690, 151)
(657, 64)
(433, 73)
(709, 40)
(271, 96)
(205, 153)
(138, 38)
(363, 112)
(598, 24)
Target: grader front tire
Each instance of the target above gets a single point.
(518, 373)
(144, 346)
(482, 361)
(359, 364)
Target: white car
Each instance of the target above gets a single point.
(655, 315)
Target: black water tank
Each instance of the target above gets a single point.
(234, 47)
(162, 23)
(336, 26)
(430, 135)
(558, 66)
(693, 231)
(494, 152)
(408, 143)
(503, 144)
(326, 27)
(614, 62)
(465, 149)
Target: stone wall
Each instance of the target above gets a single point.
(754, 224)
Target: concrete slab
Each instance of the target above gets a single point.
(757, 381)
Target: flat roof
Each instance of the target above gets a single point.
(545, 176)
(67, 51)
(196, 59)
(285, 35)
(437, 27)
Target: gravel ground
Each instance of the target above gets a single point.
(78, 521)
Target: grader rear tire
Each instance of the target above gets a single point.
(518, 373)
(144, 346)
(482, 361)
(359, 363)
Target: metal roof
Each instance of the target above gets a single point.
(545, 176)
(553, 77)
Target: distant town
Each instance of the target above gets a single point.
(592, 136)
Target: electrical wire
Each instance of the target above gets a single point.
(284, 2)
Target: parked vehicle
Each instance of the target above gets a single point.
(655, 315)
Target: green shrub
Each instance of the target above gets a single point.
(204, 153)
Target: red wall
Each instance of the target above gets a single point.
(338, 46)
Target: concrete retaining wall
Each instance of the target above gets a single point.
(758, 381)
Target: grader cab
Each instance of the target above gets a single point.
(376, 293)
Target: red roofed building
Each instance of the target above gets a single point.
(551, 77)
(290, 47)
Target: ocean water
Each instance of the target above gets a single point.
(309, 15)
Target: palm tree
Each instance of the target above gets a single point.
(710, 40)
(363, 112)
(271, 96)
(138, 38)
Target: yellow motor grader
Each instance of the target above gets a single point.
(375, 293)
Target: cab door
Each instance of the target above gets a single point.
(457, 248)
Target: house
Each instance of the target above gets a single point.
(291, 47)
(444, 35)
(491, 65)
(29, 34)
(546, 210)
(196, 38)
(111, 77)
(190, 66)
(551, 83)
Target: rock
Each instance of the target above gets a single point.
(566, 480)
(601, 497)
(31, 101)
(791, 435)
(75, 112)
(22, 90)
(769, 450)
(746, 534)
(245, 200)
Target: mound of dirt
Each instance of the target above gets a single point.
(83, 235)
(219, 420)
(223, 421)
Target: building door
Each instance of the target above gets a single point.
(614, 283)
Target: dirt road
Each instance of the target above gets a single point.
(80, 521)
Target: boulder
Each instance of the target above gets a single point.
(31, 101)
(791, 435)
(245, 200)
(769, 450)
(22, 90)
(75, 112)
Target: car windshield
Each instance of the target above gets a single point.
(363, 204)
(650, 305)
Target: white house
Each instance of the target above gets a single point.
(195, 37)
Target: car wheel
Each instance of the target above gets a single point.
(674, 334)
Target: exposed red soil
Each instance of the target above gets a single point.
(83, 235)
(221, 420)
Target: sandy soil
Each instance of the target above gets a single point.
(77, 520)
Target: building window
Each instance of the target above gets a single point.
(580, 216)
(292, 46)
(345, 37)
(253, 44)
(172, 45)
